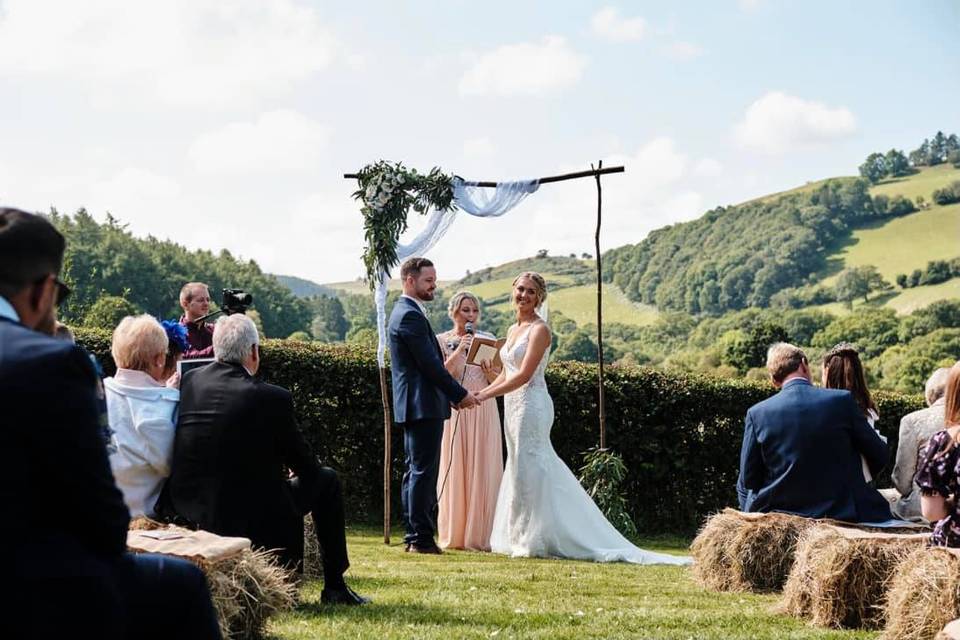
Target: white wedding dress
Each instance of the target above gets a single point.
(542, 511)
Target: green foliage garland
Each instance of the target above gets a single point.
(388, 191)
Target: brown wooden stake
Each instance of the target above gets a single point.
(387, 432)
(602, 411)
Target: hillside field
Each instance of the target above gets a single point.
(904, 244)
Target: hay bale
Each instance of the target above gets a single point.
(312, 560)
(924, 594)
(840, 575)
(246, 590)
(247, 586)
(737, 551)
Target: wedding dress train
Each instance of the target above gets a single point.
(542, 511)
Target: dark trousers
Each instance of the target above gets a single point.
(421, 447)
(64, 591)
(323, 500)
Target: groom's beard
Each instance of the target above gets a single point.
(425, 294)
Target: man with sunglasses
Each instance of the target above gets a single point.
(65, 523)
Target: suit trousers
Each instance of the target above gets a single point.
(418, 492)
(62, 590)
(323, 500)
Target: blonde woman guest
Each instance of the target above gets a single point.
(471, 459)
(142, 412)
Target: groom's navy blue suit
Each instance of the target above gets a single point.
(422, 393)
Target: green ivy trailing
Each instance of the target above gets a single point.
(388, 191)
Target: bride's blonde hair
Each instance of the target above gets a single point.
(539, 283)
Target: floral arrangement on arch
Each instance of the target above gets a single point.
(388, 192)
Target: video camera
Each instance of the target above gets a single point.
(235, 301)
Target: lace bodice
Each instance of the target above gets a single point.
(512, 356)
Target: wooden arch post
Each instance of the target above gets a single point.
(594, 172)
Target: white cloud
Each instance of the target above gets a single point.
(478, 148)
(131, 185)
(525, 68)
(608, 24)
(778, 122)
(682, 50)
(282, 140)
(182, 52)
(708, 168)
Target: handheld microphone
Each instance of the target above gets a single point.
(469, 328)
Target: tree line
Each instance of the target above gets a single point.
(112, 274)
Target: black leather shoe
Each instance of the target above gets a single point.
(342, 595)
(431, 549)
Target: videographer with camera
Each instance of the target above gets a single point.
(195, 301)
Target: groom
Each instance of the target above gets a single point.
(423, 391)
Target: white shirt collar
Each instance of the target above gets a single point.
(419, 304)
(7, 310)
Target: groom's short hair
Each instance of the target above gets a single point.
(783, 359)
(412, 267)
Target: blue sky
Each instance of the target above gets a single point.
(228, 125)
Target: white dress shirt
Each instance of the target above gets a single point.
(142, 412)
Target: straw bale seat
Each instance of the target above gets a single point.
(924, 595)
(246, 585)
(840, 575)
(737, 551)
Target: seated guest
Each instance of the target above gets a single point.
(142, 412)
(915, 431)
(195, 301)
(842, 369)
(236, 437)
(801, 449)
(65, 524)
(937, 472)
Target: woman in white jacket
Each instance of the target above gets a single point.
(142, 411)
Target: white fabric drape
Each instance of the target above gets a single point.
(474, 200)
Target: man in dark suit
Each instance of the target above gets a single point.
(65, 523)
(801, 449)
(423, 391)
(236, 442)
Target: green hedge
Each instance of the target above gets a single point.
(678, 434)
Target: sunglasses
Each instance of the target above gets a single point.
(63, 291)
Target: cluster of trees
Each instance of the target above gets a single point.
(891, 164)
(738, 257)
(935, 272)
(114, 274)
(948, 195)
(941, 148)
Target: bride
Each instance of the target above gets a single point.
(542, 510)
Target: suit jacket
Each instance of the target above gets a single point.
(422, 387)
(801, 454)
(236, 437)
(915, 430)
(55, 480)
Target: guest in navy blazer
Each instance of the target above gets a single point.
(802, 449)
(65, 523)
(423, 391)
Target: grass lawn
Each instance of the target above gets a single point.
(918, 184)
(474, 595)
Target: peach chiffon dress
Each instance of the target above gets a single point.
(474, 458)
